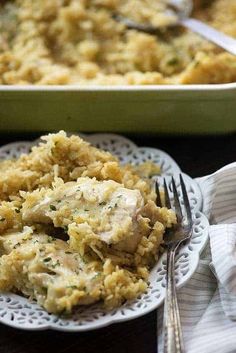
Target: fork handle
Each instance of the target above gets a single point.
(179, 333)
(173, 339)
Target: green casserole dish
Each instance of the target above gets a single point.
(197, 109)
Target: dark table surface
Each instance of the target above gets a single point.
(196, 156)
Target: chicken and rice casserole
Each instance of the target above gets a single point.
(76, 227)
(61, 42)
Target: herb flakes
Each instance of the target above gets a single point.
(47, 259)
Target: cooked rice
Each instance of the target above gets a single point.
(62, 274)
(60, 42)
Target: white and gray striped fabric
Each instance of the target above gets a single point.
(208, 301)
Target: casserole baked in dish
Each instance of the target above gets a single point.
(62, 42)
(54, 74)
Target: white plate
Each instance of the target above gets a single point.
(19, 312)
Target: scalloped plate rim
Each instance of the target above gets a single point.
(114, 321)
(93, 135)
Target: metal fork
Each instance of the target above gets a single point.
(182, 231)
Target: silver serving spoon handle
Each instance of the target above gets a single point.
(183, 10)
(222, 40)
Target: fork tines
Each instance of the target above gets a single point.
(175, 200)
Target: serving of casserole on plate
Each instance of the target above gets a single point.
(66, 188)
(77, 227)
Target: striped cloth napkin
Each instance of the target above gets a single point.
(208, 300)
